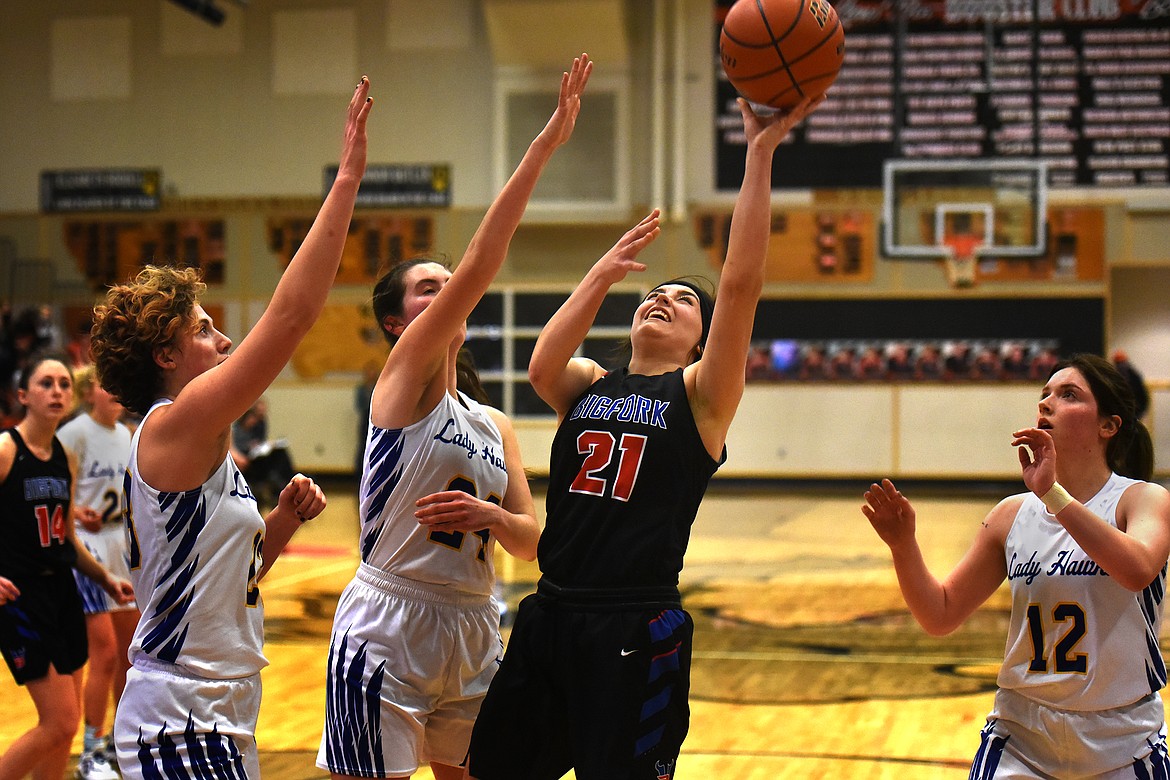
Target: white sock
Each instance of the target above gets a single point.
(91, 741)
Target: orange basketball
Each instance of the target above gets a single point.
(777, 52)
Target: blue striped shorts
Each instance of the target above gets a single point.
(1026, 739)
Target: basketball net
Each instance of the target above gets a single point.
(960, 259)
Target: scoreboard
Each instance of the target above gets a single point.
(1081, 84)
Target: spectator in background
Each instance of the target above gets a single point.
(78, 346)
(843, 362)
(1141, 394)
(1044, 363)
(23, 340)
(899, 366)
(929, 365)
(957, 363)
(265, 463)
(759, 364)
(48, 331)
(871, 364)
(1015, 362)
(813, 365)
(10, 410)
(986, 365)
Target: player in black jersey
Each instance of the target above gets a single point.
(42, 627)
(597, 670)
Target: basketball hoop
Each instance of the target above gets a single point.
(960, 259)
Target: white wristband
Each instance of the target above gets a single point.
(1056, 499)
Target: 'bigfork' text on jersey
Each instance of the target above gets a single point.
(1074, 640)
(36, 501)
(194, 560)
(628, 470)
(456, 447)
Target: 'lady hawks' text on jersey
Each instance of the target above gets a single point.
(628, 470)
(457, 446)
(1078, 640)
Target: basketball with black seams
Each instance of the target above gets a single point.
(778, 52)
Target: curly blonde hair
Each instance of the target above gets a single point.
(136, 319)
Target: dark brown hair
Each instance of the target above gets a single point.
(1130, 452)
(35, 361)
(389, 292)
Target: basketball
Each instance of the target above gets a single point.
(778, 52)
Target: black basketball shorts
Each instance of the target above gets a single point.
(603, 692)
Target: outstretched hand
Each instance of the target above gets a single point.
(564, 119)
(623, 256)
(1037, 458)
(890, 513)
(768, 130)
(353, 151)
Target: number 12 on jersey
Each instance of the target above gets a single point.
(598, 448)
(1064, 658)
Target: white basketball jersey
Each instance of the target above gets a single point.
(101, 454)
(194, 558)
(1078, 640)
(456, 447)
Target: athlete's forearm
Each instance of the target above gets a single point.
(518, 534)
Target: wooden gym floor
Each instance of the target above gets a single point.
(806, 663)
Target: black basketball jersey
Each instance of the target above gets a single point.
(628, 470)
(34, 510)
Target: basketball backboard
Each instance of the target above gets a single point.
(1000, 203)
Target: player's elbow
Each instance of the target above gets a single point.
(937, 625)
(537, 375)
(745, 286)
(1137, 581)
(937, 629)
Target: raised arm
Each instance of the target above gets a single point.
(1135, 551)
(716, 382)
(940, 607)
(555, 374)
(212, 401)
(421, 351)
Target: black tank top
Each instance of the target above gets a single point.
(628, 470)
(34, 511)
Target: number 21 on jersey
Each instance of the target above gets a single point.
(599, 447)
